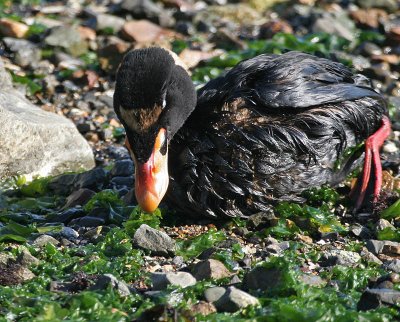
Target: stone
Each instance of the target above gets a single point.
(118, 182)
(26, 53)
(106, 21)
(12, 28)
(122, 168)
(110, 55)
(43, 240)
(141, 31)
(370, 257)
(25, 258)
(388, 5)
(210, 268)
(92, 179)
(335, 23)
(368, 18)
(393, 265)
(69, 233)
(213, 294)
(203, 308)
(153, 240)
(360, 231)
(67, 215)
(375, 298)
(87, 221)
(375, 246)
(79, 198)
(69, 38)
(161, 281)
(262, 220)
(391, 249)
(14, 274)
(312, 280)
(339, 257)
(34, 142)
(262, 278)
(234, 299)
(106, 280)
(382, 224)
(142, 9)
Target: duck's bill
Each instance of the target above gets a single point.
(151, 178)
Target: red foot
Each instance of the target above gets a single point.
(372, 162)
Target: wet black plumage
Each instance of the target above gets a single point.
(268, 129)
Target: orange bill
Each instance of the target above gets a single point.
(151, 178)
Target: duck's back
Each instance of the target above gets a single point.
(270, 128)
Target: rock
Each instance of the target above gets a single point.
(118, 182)
(271, 28)
(26, 53)
(370, 257)
(87, 221)
(210, 268)
(390, 147)
(312, 280)
(375, 246)
(368, 49)
(79, 197)
(391, 249)
(69, 233)
(14, 274)
(69, 214)
(35, 142)
(92, 179)
(203, 308)
(262, 220)
(5, 78)
(153, 240)
(161, 281)
(26, 259)
(94, 233)
(393, 265)
(360, 231)
(122, 168)
(382, 224)
(213, 294)
(375, 298)
(234, 300)
(104, 281)
(142, 9)
(106, 21)
(12, 28)
(388, 5)
(69, 38)
(335, 23)
(43, 240)
(262, 278)
(369, 18)
(141, 31)
(65, 61)
(340, 257)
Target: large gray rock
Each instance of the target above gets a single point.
(153, 240)
(34, 142)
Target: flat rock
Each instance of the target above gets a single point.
(153, 240)
(262, 220)
(340, 257)
(34, 142)
(393, 265)
(263, 278)
(213, 294)
(375, 298)
(104, 21)
(234, 299)
(43, 240)
(210, 268)
(142, 31)
(106, 280)
(79, 198)
(162, 280)
(375, 246)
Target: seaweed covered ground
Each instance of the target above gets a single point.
(75, 247)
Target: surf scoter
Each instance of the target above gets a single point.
(268, 129)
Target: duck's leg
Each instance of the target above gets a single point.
(372, 164)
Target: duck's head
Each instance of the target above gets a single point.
(153, 98)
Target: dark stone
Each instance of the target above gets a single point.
(393, 265)
(142, 9)
(262, 278)
(92, 179)
(62, 185)
(262, 220)
(84, 127)
(87, 221)
(375, 298)
(210, 268)
(339, 257)
(79, 198)
(119, 182)
(69, 214)
(184, 27)
(375, 246)
(234, 299)
(104, 281)
(360, 231)
(118, 152)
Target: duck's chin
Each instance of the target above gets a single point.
(151, 181)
